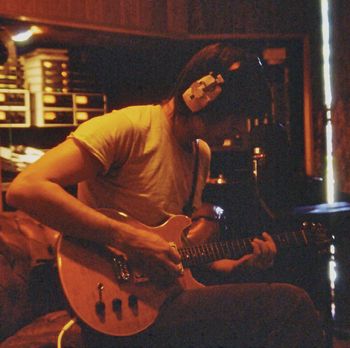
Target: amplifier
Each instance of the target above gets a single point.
(11, 77)
(65, 109)
(88, 105)
(89, 101)
(14, 108)
(46, 70)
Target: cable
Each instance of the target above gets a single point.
(65, 328)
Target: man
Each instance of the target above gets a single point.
(145, 161)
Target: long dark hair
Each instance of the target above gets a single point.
(244, 92)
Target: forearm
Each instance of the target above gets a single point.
(39, 191)
(228, 267)
(52, 205)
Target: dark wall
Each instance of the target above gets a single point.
(340, 36)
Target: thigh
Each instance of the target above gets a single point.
(194, 318)
(231, 302)
(242, 315)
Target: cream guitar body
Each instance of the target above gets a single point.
(105, 293)
(109, 296)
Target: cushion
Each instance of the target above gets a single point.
(27, 249)
(44, 332)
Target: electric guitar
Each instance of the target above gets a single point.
(109, 296)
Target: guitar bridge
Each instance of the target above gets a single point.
(123, 272)
(121, 268)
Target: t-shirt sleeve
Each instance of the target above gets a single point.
(109, 138)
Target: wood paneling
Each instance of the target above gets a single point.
(257, 16)
(148, 15)
(177, 15)
(178, 19)
(171, 16)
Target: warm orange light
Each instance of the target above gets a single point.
(81, 99)
(49, 99)
(227, 143)
(47, 64)
(82, 116)
(50, 116)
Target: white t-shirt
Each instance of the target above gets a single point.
(146, 174)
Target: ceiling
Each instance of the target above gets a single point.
(64, 36)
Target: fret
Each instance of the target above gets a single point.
(228, 252)
(240, 246)
(203, 256)
(299, 237)
(200, 254)
(192, 256)
(196, 254)
(185, 256)
(222, 251)
(281, 240)
(231, 248)
(304, 236)
(234, 249)
(217, 251)
(247, 245)
(285, 239)
(296, 239)
(212, 254)
(207, 251)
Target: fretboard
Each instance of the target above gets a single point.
(234, 249)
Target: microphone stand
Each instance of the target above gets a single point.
(259, 157)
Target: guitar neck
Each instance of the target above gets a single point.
(234, 249)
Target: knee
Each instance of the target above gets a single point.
(293, 295)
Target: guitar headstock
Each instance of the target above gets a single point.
(316, 234)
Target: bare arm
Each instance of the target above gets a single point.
(39, 191)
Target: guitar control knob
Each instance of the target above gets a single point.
(100, 307)
(132, 301)
(117, 304)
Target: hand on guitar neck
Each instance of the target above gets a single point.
(261, 257)
(264, 252)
